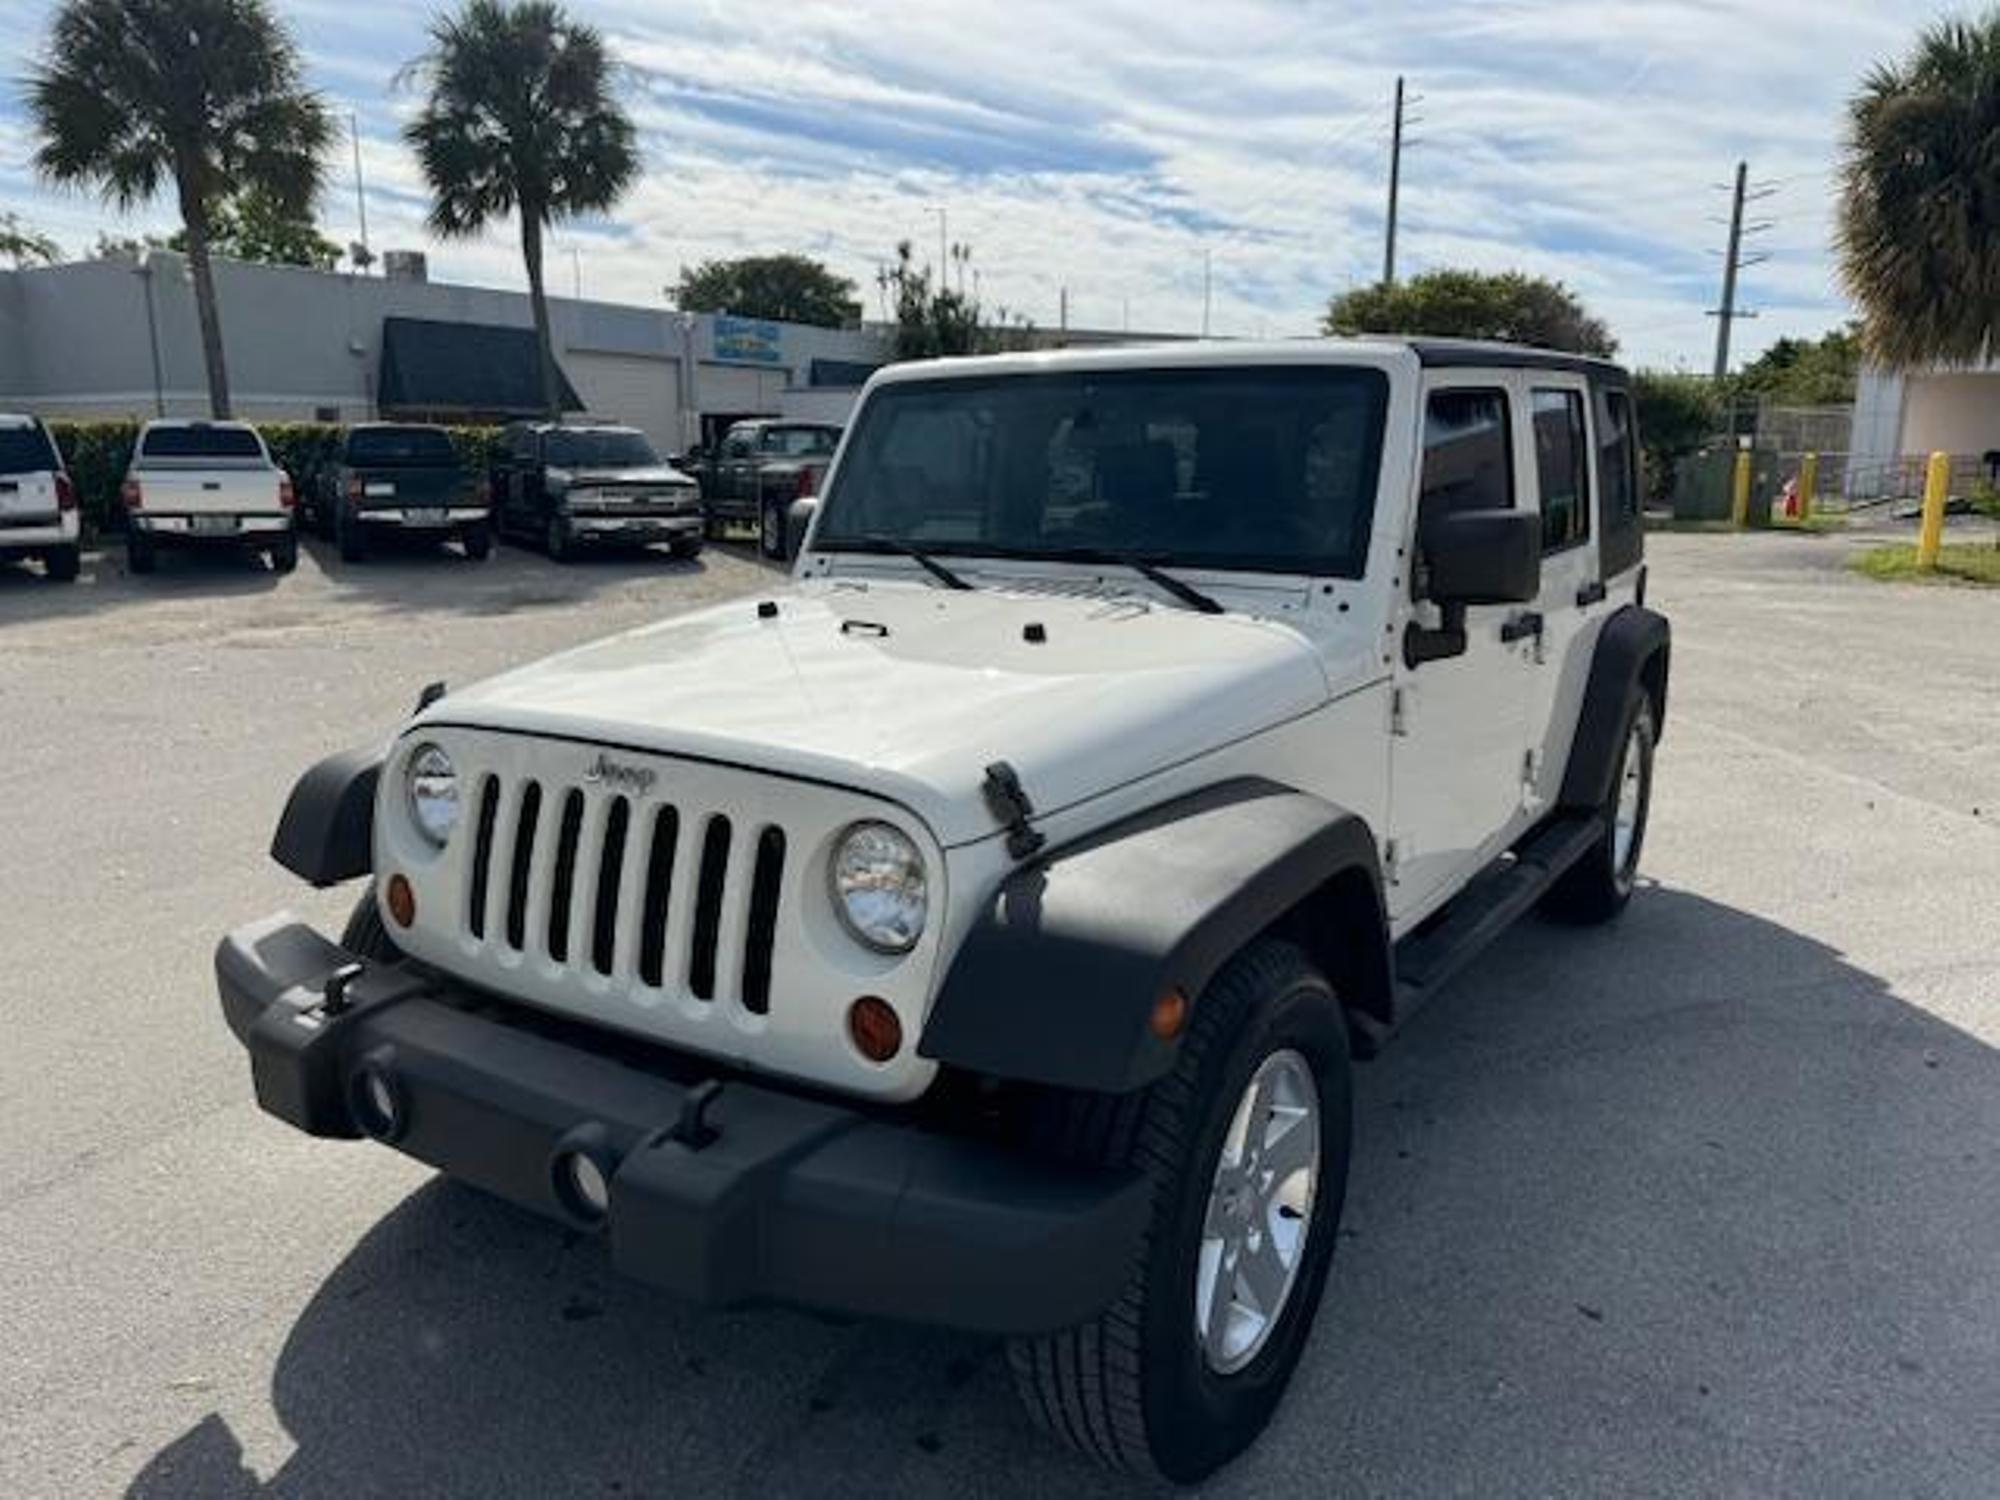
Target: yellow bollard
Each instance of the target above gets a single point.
(1937, 489)
(1808, 486)
(1739, 511)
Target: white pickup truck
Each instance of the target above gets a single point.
(38, 514)
(196, 483)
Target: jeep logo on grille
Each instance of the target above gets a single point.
(634, 779)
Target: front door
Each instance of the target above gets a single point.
(1457, 744)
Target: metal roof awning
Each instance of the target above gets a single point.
(462, 371)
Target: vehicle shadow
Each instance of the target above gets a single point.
(105, 582)
(1683, 1205)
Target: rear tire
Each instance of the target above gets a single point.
(62, 564)
(284, 555)
(353, 540)
(1140, 1387)
(557, 541)
(771, 531)
(686, 551)
(478, 543)
(141, 554)
(1596, 887)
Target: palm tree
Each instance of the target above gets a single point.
(1919, 231)
(202, 94)
(520, 119)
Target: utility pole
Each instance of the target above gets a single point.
(941, 248)
(1062, 309)
(1395, 187)
(1734, 261)
(367, 257)
(1207, 285)
(576, 273)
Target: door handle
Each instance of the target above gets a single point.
(1591, 593)
(1521, 627)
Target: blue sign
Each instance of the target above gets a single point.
(750, 341)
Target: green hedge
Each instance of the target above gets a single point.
(98, 454)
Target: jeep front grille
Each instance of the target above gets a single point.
(666, 897)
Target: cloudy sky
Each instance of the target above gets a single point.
(1109, 146)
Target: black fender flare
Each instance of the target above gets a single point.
(1633, 649)
(1057, 980)
(327, 831)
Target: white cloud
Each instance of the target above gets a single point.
(1107, 147)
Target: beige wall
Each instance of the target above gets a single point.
(1951, 413)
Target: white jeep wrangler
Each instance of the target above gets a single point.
(978, 930)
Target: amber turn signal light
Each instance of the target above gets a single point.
(1170, 1013)
(876, 1030)
(402, 901)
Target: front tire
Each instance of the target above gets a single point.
(558, 542)
(1246, 1142)
(1596, 887)
(771, 532)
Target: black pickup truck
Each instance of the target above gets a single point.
(758, 469)
(567, 487)
(396, 479)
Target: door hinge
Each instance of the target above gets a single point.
(1392, 860)
(1399, 712)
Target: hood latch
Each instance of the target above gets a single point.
(1009, 803)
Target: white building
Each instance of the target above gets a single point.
(115, 338)
(1902, 418)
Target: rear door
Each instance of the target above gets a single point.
(1566, 490)
(1456, 790)
(28, 467)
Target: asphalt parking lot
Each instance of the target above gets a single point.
(1702, 1203)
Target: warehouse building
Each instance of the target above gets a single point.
(119, 338)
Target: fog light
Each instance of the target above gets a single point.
(376, 1102)
(584, 1185)
(402, 901)
(875, 1028)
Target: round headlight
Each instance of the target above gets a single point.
(879, 887)
(430, 782)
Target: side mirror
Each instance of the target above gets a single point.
(798, 521)
(1472, 557)
(1482, 557)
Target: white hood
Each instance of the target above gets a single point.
(911, 692)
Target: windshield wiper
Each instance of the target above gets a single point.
(1154, 574)
(920, 557)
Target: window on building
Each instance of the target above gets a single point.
(1562, 464)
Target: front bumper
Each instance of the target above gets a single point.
(765, 1196)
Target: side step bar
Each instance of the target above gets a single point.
(1428, 958)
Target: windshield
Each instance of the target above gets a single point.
(25, 450)
(1256, 469)
(801, 442)
(416, 447)
(236, 444)
(601, 449)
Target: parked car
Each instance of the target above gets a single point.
(568, 487)
(758, 470)
(38, 510)
(400, 479)
(978, 931)
(206, 484)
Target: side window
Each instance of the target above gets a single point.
(1562, 463)
(1618, 460)
(736, 445)
(1468, 453)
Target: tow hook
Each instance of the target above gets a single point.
(692, 1129)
